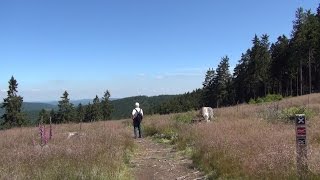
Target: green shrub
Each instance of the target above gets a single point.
(268, 98)
(184, 117)
(260, 100)
(272, 98)
(252, 101)
(290, 113)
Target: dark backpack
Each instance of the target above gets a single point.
(139, 116)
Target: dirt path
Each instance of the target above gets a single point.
(154, 161)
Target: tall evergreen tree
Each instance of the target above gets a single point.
(80, 113)
(298, 48)
(88, 117)
(280, 71)
(241, 79)
(106, 106)
(221, 81)
(66, 110)
(259, 66)
(208, 98)
(12, 105)
(96, 109)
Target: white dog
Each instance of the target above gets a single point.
(207, 113)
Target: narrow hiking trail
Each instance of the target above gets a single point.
(155, 161)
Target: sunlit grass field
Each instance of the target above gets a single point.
(99, 151)
(242, 142)
(245, 141)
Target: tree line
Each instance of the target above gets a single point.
(13, 115)
(288, 67)
(99, 109)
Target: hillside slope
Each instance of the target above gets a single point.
(123, 107)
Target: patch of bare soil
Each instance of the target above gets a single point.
(154, 161)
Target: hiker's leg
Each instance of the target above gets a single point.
(139, 128)
(134, 131)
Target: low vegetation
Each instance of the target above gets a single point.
(239, 143)
(268, 98)
(99, 151)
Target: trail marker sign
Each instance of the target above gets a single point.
(301, 139)
(300, 119)
(301, 131)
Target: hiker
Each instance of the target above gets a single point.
(137, 116)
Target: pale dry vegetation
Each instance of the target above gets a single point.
(243, 143)
(99, 151)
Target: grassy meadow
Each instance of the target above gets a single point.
(242, 142)
(245, 141)
(99, 151)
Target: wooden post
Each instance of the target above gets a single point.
(301, 138)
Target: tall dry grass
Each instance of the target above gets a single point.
(240, 143)
(99, 151)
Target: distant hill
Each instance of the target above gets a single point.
(75, 102)
(32, 106)
(124, 106)
(32, 109)
(78, 101)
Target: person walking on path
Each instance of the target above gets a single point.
(137, 116)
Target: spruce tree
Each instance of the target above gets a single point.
(222, 81)
(208, 98)
(96, 109)
(80, 112)
(280, 71)
(88, 117)
(66, 110)
(106, 106)
(241, 79)
(12, 105)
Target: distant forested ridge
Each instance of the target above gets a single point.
(31, 110)
(150, 105)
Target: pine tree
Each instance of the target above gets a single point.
(96, 109)
(80, 113)
(280, 71)
(298, 48)
(106, 106)
(208, 98)
(88, 117)
(258, 67)
(222, 81)
(66, 110)
(12, 106)
(241, 79)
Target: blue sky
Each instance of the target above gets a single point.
(130, 47)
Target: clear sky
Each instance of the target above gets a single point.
(130, 47)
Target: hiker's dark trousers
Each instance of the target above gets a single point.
(137, 125)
